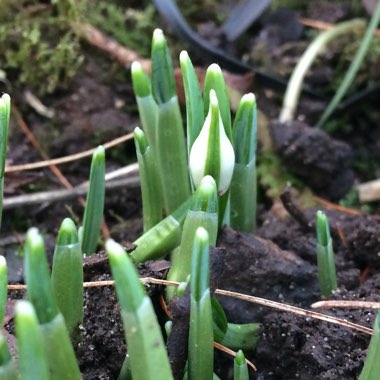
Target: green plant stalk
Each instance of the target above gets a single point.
(7, 368)
(32, 359)
(67, 276)
(243, 186)
(59, 351)
(294, 87)
(354, 67)
(125, 372)
(194, 100)
(3, 287)
(203, 212)
(201, 337)
(162, 238)
(149, 181)
(240, 367)
(325, 256)
(5, 110)
(146, 349)
(93, 213)
(214, 80)
(371, 368)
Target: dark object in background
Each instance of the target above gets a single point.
(322, 162)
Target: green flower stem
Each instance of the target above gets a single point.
(7, 368)
(201, 351)
(125, 372)
(214, 80)
(5, 109)
(241, 336)
(67, 276)
(325, 256)
(60, 354)
(371, 369)
(194, 100)
(170, 147)
(32, 359)
(240, 367)
(3, 287)
(162, 238)
(149, 181)
(202, 213)
(146, 349)
(294, 87)
(93, 213)
(354, 67)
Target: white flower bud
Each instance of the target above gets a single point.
(212, 152)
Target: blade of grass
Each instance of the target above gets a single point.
(354, 67)
(146, 349)
(93, 213)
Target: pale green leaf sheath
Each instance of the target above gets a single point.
(5, 109)
(58, 349)
(146, 349)
(170, 148)
(325, 256)
(243, 184)
(67, 276)
(201, 337)
(202, 213)
(93, 213)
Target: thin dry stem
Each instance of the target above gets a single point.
(346, 304)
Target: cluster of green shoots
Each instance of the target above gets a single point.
(190, 187)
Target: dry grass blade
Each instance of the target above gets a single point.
(346, 304)
(294, 310)
(346, 210)
(70, 158)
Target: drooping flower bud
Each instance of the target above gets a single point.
(212, 152)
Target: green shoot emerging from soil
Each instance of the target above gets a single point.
(325, 256)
